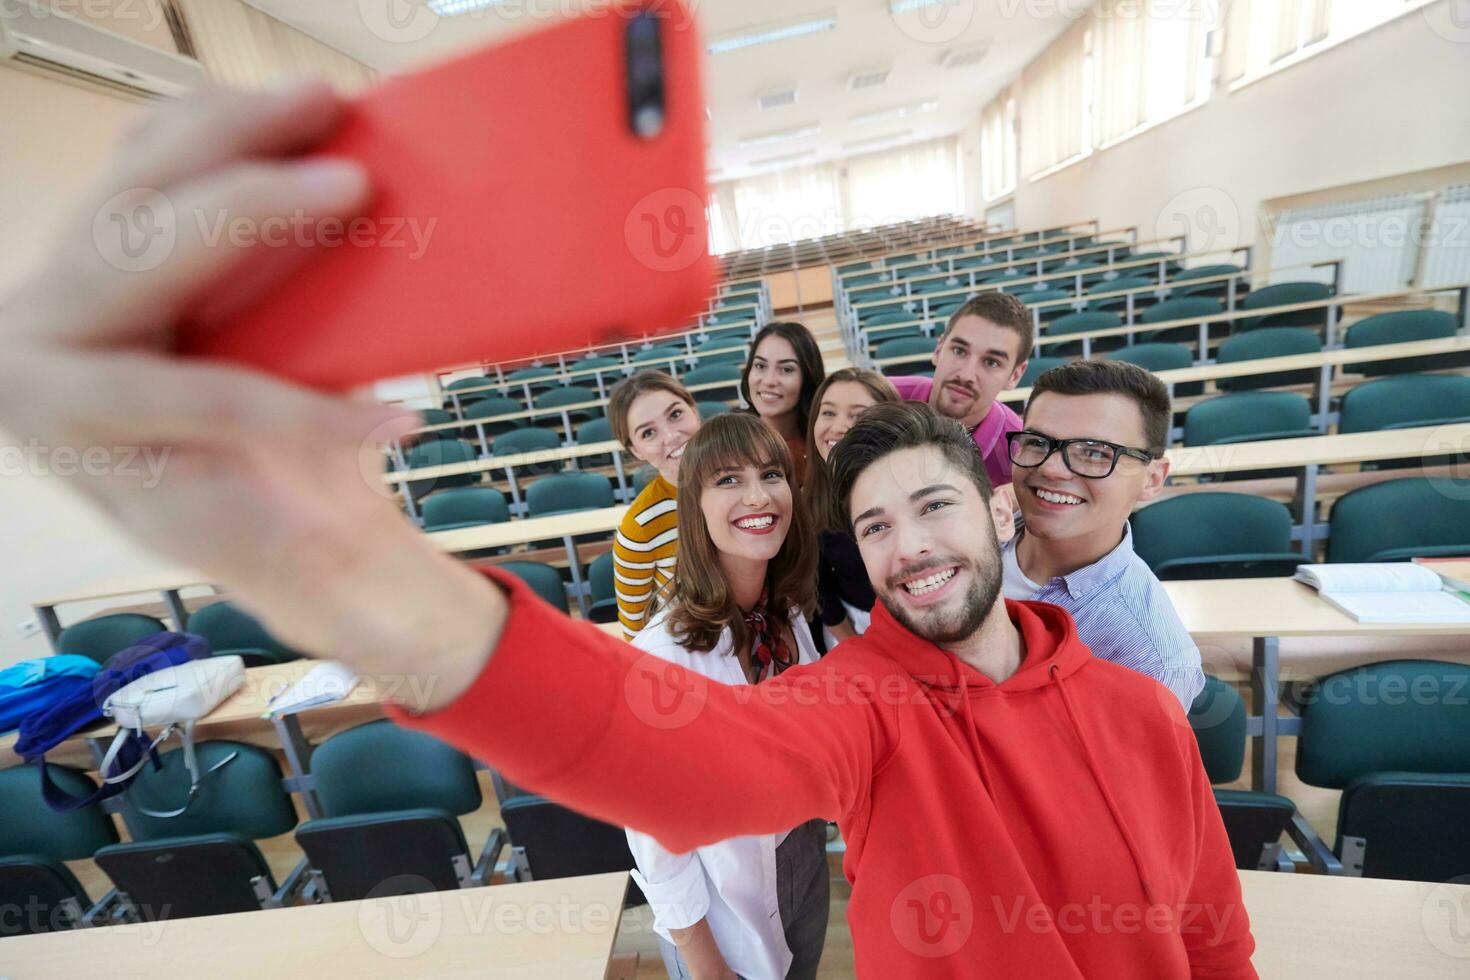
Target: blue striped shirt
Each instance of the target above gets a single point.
(1122, 613)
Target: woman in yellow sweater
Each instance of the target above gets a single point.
(654, 417)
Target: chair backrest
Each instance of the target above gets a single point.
(1219, 722)
(1204, 271)
(708, 410)
(40, 895)
(243, 797)
(600, 577)
(1286, 293)
(227, 627)
(1246, 415)
(600, 363)
(1399, 519)
(1181, 308)
(1122, 282)
(524, 441)
(710, 373)
(435, 416)
(1405, 400)
(440, 452)
(1210, 523)
(101, 637)
(565, 492)
(1394, 716)
(1037, 366)
(544, 580)
(659, 355)
(887, 317)
(594, 431)
(531, 374)
(568, 395)
(1400, 327)
(490, 407)
(376, 855)
(380, 767)
(31, 827)
(1269, 342)
(459, 384)
(561, 843)
(1078, 322)
(915, 348)
(1154, 357)
(465, 507)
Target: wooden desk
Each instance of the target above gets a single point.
(1355, 447)
(170, 583)
(1313, 926)
(1266, 609)
(559, 929)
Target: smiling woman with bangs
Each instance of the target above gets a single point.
(735, 614)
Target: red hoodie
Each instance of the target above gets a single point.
(1058, 825)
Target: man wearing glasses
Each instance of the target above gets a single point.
(1091, 448)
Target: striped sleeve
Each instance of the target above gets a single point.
(645, 551)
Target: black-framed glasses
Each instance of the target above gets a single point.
(1092, 459)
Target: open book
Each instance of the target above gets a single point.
(325, 683)
(1386, 592)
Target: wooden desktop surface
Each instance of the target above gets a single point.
(559, 929)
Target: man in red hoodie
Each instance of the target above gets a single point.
(1011, 804)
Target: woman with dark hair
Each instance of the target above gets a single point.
(753, 906)
(844, 595)
(781, 375)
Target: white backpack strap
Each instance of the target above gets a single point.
(191, 763)
(118, 741)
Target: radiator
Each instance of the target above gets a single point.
(1446, 260)
(1377, 241)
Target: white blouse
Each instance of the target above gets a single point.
(732, 883)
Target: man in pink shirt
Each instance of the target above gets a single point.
(982, 352)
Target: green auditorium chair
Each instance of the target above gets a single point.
(916, 351)
(1269, 342)
(1120, 303)
(549, 840)
(548, 404)
(1248, 416)
(865, 279)
(518, 441)
(492, 408)
(1206, 535)
(1403, 327)
(659, 357)
(594, 431)
(543, 579)
(1182, 282)
(469, 398)
(435, 416)
(608, 368)
(203, 861)
(540, 378)
(103, 636)
(1395, 738)
(568, 492)
(600, 582)
(1285, 294)
(936, 285)
(465, 507)
(1161, 357)
(41, 891)
(1151, 272)
(712, 373)
(1036, 367)
(230, 630)
(1401, 519)
(1406, 401)
(440, 452)
(1051, 302)
(883, 319)
(391, 800)
(1081, 323)
(709, 409)
(1254, 821)
(1182, 308)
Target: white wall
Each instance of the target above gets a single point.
(1388, 102)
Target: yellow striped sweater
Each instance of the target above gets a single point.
(644, 553)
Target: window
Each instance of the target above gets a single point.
(1264, 36)
(1053, 95)
(1149, 62)
(998, 146)
(913, 181)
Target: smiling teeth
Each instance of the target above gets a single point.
(677, 453)
(1058, 498)
(755, 523)
(924, 586)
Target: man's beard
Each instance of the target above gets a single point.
(975, 605)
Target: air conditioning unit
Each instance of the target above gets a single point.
(37, 37)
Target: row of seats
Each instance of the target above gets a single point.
(1401, 762)
(1218, 534)
(227, 628)
(390, 800)
(487, 405)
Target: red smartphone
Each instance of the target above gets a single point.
(534, 197)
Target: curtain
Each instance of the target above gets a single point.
(1237, 39)
(800, 202)
(240, 46)
(1119, 46)
(1052, 98)
(998, 146)
(913, 181)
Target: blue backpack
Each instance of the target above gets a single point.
(43, 730)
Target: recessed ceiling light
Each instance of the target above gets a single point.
(784, 158)
(868, 78)
(904, 6)
(966, 57)
(774, 98)
(895, 112)
(765, 139)
(769, 33)
(448, 8)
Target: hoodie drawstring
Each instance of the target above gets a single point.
(974, 740)
(1102, 787)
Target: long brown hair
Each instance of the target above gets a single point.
(808, 361)
(701, 603)
(818, 487)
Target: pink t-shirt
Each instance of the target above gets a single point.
(989, 435)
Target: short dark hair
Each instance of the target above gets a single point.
(1114, 378)
(891, 426)
(1003, 310)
